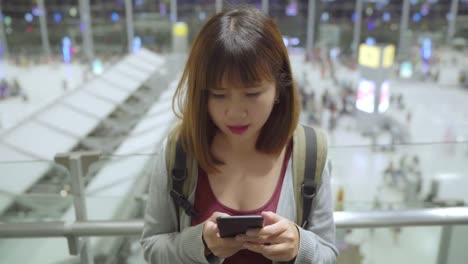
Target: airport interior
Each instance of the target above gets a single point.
(86, 91)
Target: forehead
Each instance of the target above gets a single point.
(240, 78)
(227, 84)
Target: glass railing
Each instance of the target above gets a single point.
(113, 187)
(389, 245)
(118, 186)
(433, 235)
(392, 177)
(365, 193)
(43, 249)
(364, 178)
(32, 191)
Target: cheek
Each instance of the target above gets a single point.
(265, 105)
(214, 111)
(260, 111)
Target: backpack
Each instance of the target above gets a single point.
(310, 145)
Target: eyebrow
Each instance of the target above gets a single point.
(249, 87)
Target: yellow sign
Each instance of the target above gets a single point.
(180, 29)
(369, 56)
(388, 56)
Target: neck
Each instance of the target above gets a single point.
(234, 146)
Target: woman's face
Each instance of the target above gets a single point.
(241, 112)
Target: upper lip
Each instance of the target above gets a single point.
(238, 126)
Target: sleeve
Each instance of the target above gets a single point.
(160, 240)
(318, 238)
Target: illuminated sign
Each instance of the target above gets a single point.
(365, 96)
(66, 49)
(384, 97)
(370, 56)
(406, 69)
(366, 93)
(180, 29)
(388, 56)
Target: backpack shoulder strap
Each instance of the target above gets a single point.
(309, 157)
(180, 182)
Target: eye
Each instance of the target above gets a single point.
(217, 96)
(253, 94)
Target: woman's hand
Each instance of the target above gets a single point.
(220, 247)
(278, 240)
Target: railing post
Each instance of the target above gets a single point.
(357, 29)
(265, 6)
(219, 6)
(3, 38)
(78, 164)
(444, 245)
(310, 26)
(452, 20)
(130, 24)
(86, 29)
(44, 31)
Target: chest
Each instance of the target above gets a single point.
(246, 187)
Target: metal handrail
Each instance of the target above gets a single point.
(416, 217)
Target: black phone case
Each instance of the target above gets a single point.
(231, 226)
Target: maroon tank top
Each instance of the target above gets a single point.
(206, 203)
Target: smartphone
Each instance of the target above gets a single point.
(230, 226)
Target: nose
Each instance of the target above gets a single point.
(235, 109)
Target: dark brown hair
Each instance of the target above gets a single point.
(245, 46)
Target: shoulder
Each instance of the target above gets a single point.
(317, 130)
(308, 138)
(161, 157)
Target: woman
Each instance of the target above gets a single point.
(239, 111)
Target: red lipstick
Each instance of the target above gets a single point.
(238, 130)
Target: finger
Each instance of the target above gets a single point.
(252, 231)
(285, 257)
(271, 230)
(211, 227)
(216, 215)
(266, 249)
(254, 247)
(231, 242)
(266, 240)
(254, 239)
(275, 250)
(271, 218)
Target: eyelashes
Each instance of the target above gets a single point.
(221, 96)
(217, 96)
(253, 94)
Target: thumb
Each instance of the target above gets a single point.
(216, 215)
(211, 227)
(270, 218)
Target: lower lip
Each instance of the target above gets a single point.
(238, 130)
